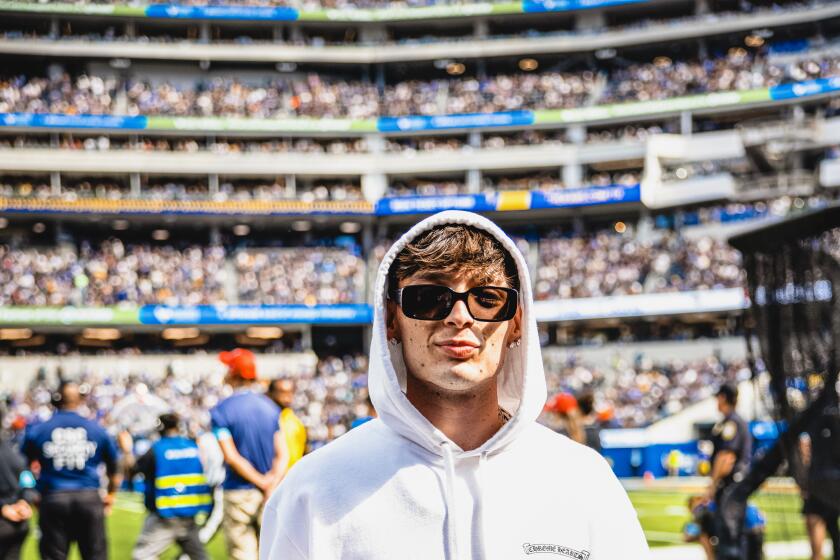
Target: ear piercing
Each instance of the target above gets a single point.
(515, 343)
(393, 341)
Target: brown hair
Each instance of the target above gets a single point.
(455, 249)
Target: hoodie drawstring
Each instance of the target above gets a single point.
(480, 497)
(450, 499)
(451, 503)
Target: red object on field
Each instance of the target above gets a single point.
(561, 403)
(241, 362)
(19, 423)
(606, 414)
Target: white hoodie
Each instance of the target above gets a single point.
(397, 488)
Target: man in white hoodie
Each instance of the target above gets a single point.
(455, 467)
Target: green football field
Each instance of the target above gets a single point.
(662, 513)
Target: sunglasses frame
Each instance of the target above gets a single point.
(396, 296)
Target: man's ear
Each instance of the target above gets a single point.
(516, 330)
(392, 328)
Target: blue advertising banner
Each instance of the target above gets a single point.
(232, 12)
(591, 196)
(805, 89)
(52, 120)
(530, 6)
(444, 122)
(255, 314)
(432, 204)
(508, 200)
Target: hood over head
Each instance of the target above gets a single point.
(521, 380)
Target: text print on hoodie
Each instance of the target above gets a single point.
(396, 488)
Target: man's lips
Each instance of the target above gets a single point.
(460, 349)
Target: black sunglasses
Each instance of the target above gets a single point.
(430, 302)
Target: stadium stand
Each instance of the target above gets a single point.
(222, 189)
(318, 96)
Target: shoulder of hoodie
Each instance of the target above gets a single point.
(372, 446)
(363, 448)
(556, 451)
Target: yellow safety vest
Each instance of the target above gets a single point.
(295, 433)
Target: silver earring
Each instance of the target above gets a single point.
(393, 342)
(515, 344)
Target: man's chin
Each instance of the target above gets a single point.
(464, 376)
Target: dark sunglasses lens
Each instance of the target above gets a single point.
(431, 303)
(492, 304)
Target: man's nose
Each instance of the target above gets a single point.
(460, 315)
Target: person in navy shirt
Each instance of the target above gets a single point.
(70, 449)
(247, 425)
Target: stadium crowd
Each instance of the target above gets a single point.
(300, 275)
(331, 395)
(192, 145)
(112, 273)
(328, 397)
(395, 145)
(640, 393)
(317, 96)
(604, 263)
(611, 264)
(115, 273)
(177, 190)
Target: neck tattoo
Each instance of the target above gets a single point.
(504, 416)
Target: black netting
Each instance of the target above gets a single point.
(793, 278)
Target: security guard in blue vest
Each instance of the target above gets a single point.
(176, 491)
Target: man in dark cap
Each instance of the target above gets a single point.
(730, 463)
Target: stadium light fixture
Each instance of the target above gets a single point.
(37, 340)
(245, 340)
(620, 227)
(101, 334)
(200, 340)
(241, 230)
(15, 334)
(39, 227)
(528, 64)
(455, 68)
(301, 225)
(180, 333)
(120, 225)
(264, 333)
(350, 227)
(285, 67)
(160, 235)
(4, 223)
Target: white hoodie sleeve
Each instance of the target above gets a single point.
(275, 540)
(616, 531)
